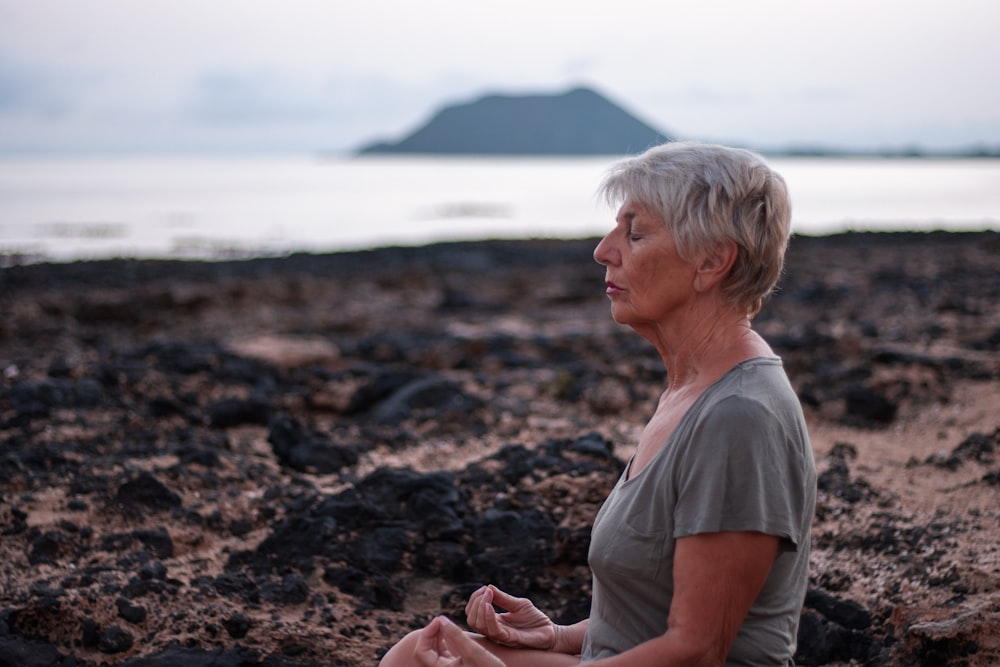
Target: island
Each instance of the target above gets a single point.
(579, 121)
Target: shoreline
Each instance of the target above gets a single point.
(435, 249)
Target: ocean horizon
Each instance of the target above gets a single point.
(150, 207)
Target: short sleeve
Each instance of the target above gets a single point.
(743, 470)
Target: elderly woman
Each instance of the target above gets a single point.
(700, 553)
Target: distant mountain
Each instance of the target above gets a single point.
(577, 122)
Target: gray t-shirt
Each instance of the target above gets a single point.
(739, 460)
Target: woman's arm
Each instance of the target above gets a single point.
(569, 638)
(717, 576)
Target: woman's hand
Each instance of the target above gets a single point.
(444, 644)
(522, 625)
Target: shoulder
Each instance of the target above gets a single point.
(755, 387)
(753, 403)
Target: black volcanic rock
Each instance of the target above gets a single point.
(577, 122)
(132, 484)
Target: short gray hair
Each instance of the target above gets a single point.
(709, 194)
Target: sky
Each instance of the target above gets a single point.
(293, 76)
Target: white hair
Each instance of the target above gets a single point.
(709, 194)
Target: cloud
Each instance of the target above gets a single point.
(36, 91)
(342, 110)
(230, 76)
(256, 97)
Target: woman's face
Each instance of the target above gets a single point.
(646, 280)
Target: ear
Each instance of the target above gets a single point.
(714, 266)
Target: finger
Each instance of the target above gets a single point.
(475, 600)
(489, 621)
(486, 620)
(462, 645)
(508, 602)
(427, 651)
(473, 610)
(478, 593)
(484, 611)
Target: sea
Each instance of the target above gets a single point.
(211, 208)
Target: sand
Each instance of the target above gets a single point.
(147, 509)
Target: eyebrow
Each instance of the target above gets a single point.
(627, 216)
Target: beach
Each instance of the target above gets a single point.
(295, 460)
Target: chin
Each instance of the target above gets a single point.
(620, 318)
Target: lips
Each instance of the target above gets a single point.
(611, 288)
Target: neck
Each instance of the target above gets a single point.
(704, 348)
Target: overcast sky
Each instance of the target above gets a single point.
(311, 75)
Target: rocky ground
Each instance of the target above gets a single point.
(291, 462)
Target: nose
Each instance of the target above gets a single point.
(605, 253)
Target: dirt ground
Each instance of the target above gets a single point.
(203, 462)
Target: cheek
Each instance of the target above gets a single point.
(658, 279)
(647, 273)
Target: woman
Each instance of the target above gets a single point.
(700, 553)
